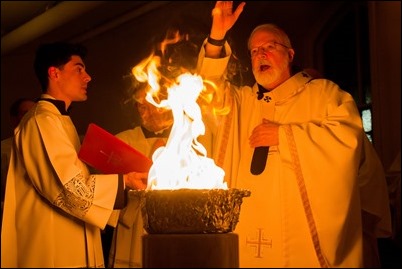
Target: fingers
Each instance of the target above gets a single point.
(265, 134)
(141, 180)
(239, 10)
(226, 8)
(136, 181)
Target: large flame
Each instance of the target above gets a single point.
(183, 162)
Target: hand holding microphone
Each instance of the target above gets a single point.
(263, 136)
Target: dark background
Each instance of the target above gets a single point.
(357, 44)
(354, 43)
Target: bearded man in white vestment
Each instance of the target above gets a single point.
(54, 208)
(321, 183)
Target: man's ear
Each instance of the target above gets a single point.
(291, 53)
(52, 72)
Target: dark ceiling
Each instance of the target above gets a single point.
(24, 22)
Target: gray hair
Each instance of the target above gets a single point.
(270, 27)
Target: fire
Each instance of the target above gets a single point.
(183, 162)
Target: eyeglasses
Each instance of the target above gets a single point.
(266, 47)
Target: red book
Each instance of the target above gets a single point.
(109, 154)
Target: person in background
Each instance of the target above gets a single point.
(54, 208)
(17, 110)
(297, 143)
(152, 132)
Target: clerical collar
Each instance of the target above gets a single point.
(148, 134)
(261, 91)
(59, 104)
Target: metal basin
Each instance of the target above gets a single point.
(189, 211)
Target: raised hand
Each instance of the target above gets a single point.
(223, 18)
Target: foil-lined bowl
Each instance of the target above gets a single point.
(191, 211)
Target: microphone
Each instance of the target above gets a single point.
(259, 160)
(260, 153)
